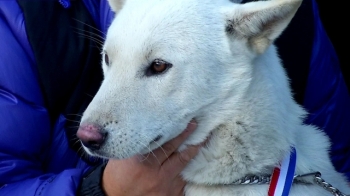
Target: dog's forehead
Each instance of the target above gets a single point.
(157, 22)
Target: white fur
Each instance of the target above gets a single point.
(229, 79)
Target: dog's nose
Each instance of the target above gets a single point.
(91, 136)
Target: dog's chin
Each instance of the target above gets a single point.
(96, 154)
(109, 151)
(153, 146)
(103, 155)
(107, 154)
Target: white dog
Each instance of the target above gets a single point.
(166, 62)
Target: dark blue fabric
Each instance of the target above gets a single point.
(101, 13)
(35, 158)
(327, 98)
(69, 73)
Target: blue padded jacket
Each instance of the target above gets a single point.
(35, 158)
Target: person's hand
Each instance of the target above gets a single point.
(159, 174)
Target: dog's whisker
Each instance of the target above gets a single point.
(97, 36)
(83, 153)
(90, 37)
(149, 148)
(89, 95)
(97, 41)
(76, 142)
(76, 127)
(98, 30)
(88, 34)
(145, 157)
(79, 115)
(161, 147)
(70, 120)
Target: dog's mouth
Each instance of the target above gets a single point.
(113, 150)
(156, 139)
(116, 143)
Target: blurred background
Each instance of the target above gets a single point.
(336, 24)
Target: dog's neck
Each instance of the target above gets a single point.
(253, 139)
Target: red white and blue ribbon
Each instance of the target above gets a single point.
(282, 177)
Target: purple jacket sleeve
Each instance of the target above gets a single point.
(327, 97)
(101, 13)
(34, 157)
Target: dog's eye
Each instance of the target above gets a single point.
(106, 58)
(157, 67)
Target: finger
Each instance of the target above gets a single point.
(162, 153)
(178, 186)
(179, 160)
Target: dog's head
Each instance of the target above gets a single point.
(166, 62)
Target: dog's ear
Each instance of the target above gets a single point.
(116, 5)
(260, 22)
